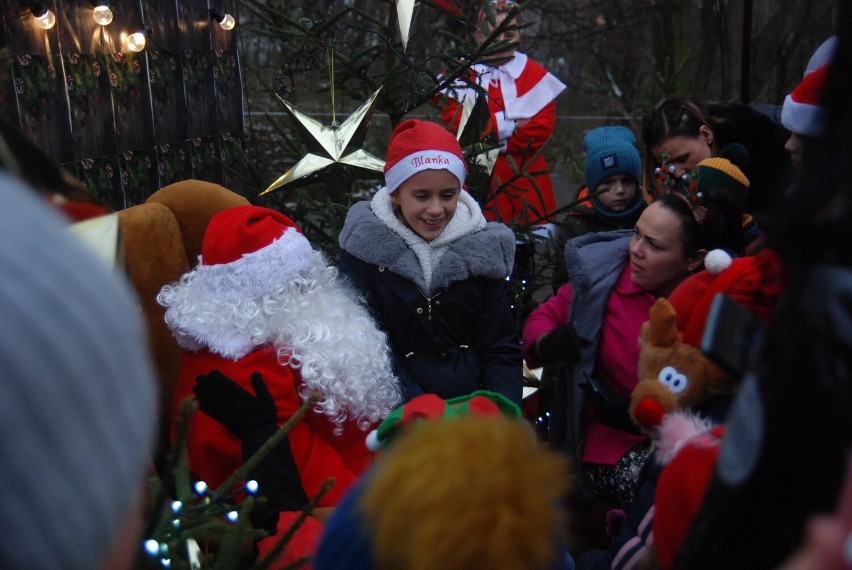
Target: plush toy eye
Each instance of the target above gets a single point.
(673, 380)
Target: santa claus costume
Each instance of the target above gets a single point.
(521, 100)
(262, 300)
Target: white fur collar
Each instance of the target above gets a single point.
(513, 68)
(467, 219)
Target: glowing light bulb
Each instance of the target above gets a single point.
(136, 41)
(102, 14)
(45, 19)
(152, 547)
(225, 21)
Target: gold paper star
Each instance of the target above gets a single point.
(404, 14)
(330, 148)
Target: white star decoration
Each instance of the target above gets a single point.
(330, 147)
(486, 154)
(404, 14)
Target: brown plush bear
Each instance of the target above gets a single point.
(160, 240)
(675, 379)
(672, 374)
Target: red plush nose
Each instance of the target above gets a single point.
(649, 413)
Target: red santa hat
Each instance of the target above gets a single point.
(416, 146)
(803, 112)
(250, 249)
(753, 281)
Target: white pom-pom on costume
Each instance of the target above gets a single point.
(373, 443)
(716, 261)
(677, 428)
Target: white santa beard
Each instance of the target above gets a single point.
(317, 325)
(337, 348)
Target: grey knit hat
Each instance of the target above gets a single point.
(77, 393)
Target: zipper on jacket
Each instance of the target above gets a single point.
(429, 302)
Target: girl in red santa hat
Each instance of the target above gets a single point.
(262, 302)
(434, 271)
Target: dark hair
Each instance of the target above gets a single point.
(721, 227)
(673, 116)
(693, 235)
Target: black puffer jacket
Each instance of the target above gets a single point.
(452, 335)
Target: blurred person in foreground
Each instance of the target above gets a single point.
(77, 397)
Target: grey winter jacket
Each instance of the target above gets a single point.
(595, 261)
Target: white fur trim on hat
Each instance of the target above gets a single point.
(260, 271)
(424, 160)
(228, 285)
(677, 429)
(803, 118)
(802, 112)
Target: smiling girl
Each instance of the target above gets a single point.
(433, 271)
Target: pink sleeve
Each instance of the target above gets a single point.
(546, 317)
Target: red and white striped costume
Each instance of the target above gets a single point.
(521, 99)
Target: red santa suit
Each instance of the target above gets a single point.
(262, 300)
(521, 99)
(214, 453)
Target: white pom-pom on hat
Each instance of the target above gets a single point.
(716, 261)
(373, 443)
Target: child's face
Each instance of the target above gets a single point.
(427, 202)
(512, 35)
(617, 192)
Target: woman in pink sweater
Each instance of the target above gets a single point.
(592, 326)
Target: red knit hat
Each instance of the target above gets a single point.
(803, 112)
(250, 249)
(416, 146)
(754, 282)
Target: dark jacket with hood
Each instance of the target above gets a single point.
(588, 217)
(443, 304)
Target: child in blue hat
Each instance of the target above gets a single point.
(615, 198)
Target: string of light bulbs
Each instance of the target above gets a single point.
(103, 16)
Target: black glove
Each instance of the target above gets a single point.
(234, 407)
(559, 345)
(612, 409)
(254, 419)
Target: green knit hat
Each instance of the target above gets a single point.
(431, 407)
(725, 171)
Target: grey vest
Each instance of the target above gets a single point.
(595, 262)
